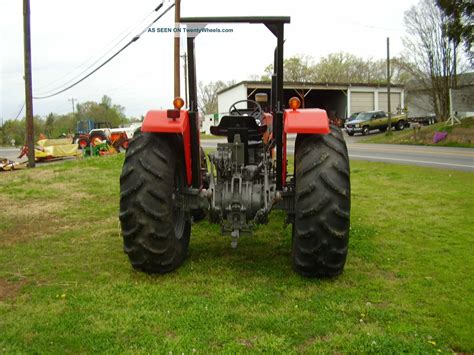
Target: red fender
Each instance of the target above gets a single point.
(158, 121)
(306, 121)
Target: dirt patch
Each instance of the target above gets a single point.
(28, 209)
(9, 290)
(71, 192)
(37, 174)
(39, 228)
(43, 174)
(246, 342)
(29, 219)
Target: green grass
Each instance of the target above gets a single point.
(210, 136)
(461, 135)
(66, 286)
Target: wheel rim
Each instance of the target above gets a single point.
(178, 215)
(178, 222)
(82, 144)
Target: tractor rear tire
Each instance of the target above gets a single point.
(322, 205)
(155, 232)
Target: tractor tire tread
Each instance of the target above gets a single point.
(322, 205)
(146, 207)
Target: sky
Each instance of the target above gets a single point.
(68, 36)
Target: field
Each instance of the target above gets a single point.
(458, 136)
(66, 285)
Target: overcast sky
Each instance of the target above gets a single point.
(67, 34)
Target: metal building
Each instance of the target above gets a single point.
(339, 100)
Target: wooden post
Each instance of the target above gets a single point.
(28, 84)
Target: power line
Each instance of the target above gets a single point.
(21, 110)
(116, 43)
(108, 60)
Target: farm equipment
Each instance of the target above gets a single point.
(165, 183)
(87, 131)
(51, 149)
(98, 148)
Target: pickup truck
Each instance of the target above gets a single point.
(369, 120)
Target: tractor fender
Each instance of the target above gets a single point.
(306, 121)
(157, 121)
(303, 121)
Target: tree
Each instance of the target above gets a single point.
(103, 111)
(49, 124)
(400, 75)
(298, 68)
(431, 53)
(459, 22)
(340, 68)
(54, 125)
(207, 95)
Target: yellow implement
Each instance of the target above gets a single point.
(46, 149)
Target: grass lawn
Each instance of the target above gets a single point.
(210, 136)
(461, 135)
(66, 285)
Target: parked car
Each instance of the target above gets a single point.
(352, 117)
(370, 120)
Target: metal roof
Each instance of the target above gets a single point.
(305, 85)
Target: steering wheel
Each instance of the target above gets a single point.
(257, 112)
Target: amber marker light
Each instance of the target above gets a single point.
(294, 103)
(178, 103)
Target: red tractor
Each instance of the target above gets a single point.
(165, 184)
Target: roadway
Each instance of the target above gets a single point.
(11, 153)
(436, 157)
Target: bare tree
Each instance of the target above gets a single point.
(431, 53)
(207, 93)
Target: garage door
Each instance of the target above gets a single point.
(394, 104)
(362, 101)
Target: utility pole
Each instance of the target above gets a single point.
(177, 19)
(73, 109)
(3, 133)
(28, 84)
(185, 68)
(389, 108)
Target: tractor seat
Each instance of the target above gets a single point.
(246, 126)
